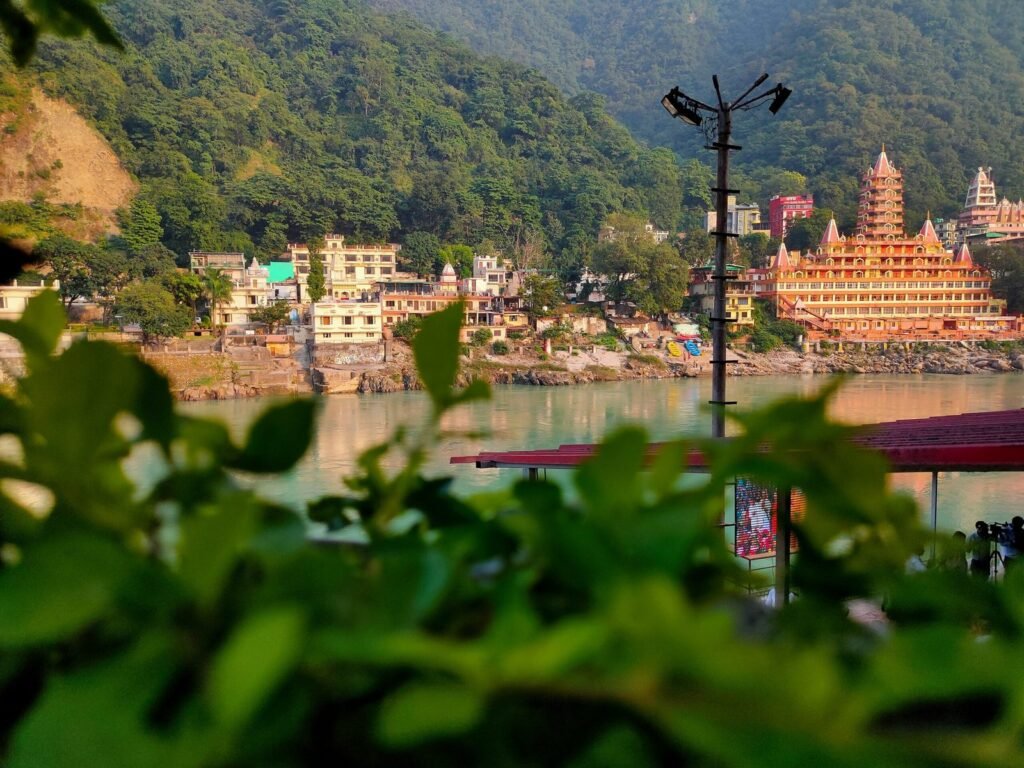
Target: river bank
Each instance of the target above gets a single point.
(584, 367)
(209, 375)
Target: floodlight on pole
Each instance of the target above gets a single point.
(678, 104)
(718, 129)
(781, 94)
(718, 132)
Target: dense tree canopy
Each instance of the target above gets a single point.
(254, 124)
(939, 82)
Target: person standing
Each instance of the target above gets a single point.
(1013, 547)
(979, 546)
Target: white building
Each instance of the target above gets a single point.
(346, 322)
(14, 298)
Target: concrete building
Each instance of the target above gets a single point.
(742, 218)
(739, 293)
(250, 286)
(985, 219)
(340, 321)
(490, 276)
(231, 264)
(784, 209)
(248, 294)
(14, 297)
(350, 270)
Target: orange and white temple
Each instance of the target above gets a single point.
(880, 283)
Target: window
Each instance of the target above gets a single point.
(325, 321)
(351, 257)
(346, 321)
(369, 320)
(327, 335)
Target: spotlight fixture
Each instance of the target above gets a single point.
(678, 105)
(781, 94)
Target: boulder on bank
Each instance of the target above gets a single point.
(228, 391)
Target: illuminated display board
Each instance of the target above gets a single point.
(756, 508)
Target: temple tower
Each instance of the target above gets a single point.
(982, 191)
(880, 211)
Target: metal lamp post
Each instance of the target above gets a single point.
(717, 125)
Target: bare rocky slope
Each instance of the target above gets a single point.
(47, 148)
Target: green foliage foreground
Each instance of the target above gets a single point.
(192, 623)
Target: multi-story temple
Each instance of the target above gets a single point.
(985, 218)
(880, 283)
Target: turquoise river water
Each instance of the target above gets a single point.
(542, 417)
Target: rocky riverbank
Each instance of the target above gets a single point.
(583, 368)
(228, 378)
(955, 360)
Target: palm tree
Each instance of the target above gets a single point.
(217, 286)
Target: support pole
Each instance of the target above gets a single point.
(720, 276)
(783, 526)
(935, 511)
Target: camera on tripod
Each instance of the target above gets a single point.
(1000, 532)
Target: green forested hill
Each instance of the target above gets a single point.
(254, 122)
(941, 82)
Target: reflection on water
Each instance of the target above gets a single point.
(540, 417)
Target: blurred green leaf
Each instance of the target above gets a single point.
(436, 349)
(212, 541)
(257, 657)
(421, 712)
(97, 717)
(61, 585)
(610, 482)
(279, 438)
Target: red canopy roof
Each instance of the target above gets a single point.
(992, 441)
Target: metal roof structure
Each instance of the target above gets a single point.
(991, 441)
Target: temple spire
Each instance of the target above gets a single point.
(882, 165)
(963, 256)
(928, 233)
(782, 262)
(831, 235)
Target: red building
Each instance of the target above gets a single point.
(782, 209)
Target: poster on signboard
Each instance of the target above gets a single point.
(756, 511)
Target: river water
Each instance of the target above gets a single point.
(543, 417)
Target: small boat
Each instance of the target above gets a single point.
(692, 348)
(673, 349)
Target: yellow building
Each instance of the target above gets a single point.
(346, 322)
(739, 293)
(349, 270)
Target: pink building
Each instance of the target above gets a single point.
(782, 209)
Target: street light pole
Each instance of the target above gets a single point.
(720, 274)
(693, 112)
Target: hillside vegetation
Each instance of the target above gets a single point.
(940, 82)
(251, 124)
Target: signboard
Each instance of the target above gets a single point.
(755, 509)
